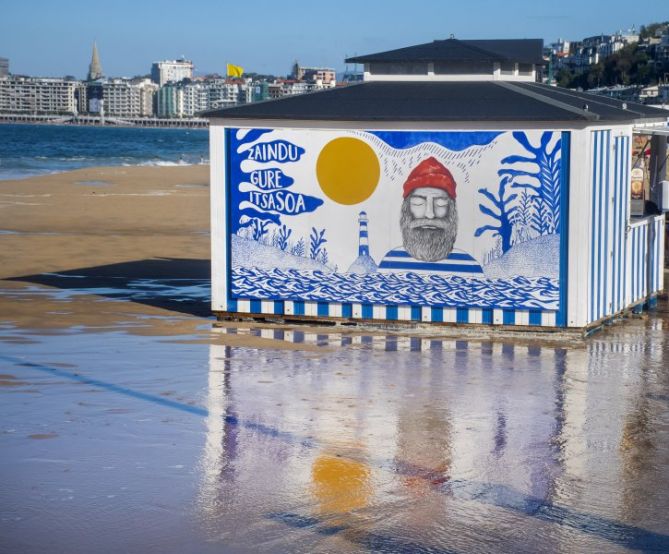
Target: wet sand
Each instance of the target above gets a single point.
(117, 249)
(128, 423)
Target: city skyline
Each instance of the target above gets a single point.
(131, 37)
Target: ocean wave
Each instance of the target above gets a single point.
(30, 150)
(158, 163)
(397, 288)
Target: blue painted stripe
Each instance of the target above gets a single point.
(438, 314)
(593, 225)
(279, 307)
(565, 164)
(601, 251)
(656, 257)
(637, 264)
(323, 309)
(460, 256)
(634, 266)
(644, 264)
(622, 224)
(600, 218)
(347, 310)
(606, 290)
(462, 315)
(535, 317)
(487, 316)
(452, 256)
(659, 257)
(640, 263)
(616, 225)
(392, 312)
(232, 305)
(650, 267)
(626, 205)
(509, 317)
(256, 307)
(459, 268)
(298, 307)
(416, 313)
(364, 233)
(367, 311)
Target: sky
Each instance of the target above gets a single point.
(55, 38)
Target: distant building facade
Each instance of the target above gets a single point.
(456, 60)
(579, 55)
(188, 98)
(326, 75)
(171, 92)
(38, 96)
(171, 71)
(128, 97)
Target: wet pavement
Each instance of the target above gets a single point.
(116, 441)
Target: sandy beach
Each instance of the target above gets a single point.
(73, 242)
(101, 216)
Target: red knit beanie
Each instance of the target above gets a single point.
(430, 173)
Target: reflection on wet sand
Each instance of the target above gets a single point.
(446, 449)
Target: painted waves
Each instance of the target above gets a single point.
(396, 288)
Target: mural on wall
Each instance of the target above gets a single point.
(453, 219)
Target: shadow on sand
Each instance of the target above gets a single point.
(176, 284)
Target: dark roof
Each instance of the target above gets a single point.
(460, 101)
(514, 50)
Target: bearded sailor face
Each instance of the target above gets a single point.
(429, 222)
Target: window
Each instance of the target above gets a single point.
(398, 68)
(463, 68)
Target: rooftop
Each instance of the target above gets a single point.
(502, 50)
(461, 101)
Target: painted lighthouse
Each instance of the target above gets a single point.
(364, 263)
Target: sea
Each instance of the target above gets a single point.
(31, 150)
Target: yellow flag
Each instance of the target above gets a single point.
(235, 70)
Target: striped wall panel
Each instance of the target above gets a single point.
(427, 314)
(610, 214)
(621, 206)
(646, 251)
(638, 262)
(599, 231)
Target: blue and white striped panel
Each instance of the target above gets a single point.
(610, 211)
(406, 313)
(639, 262)
(657, 254)
(621, 206)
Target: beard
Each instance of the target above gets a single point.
(429, 240)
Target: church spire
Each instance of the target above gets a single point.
(95, 69)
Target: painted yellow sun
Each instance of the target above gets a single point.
(348, 170)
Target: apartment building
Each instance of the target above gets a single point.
(128, 98)
(325, 75)
(37, 95)
(187, 99)
(171, 71)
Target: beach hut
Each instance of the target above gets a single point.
(447, 187)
